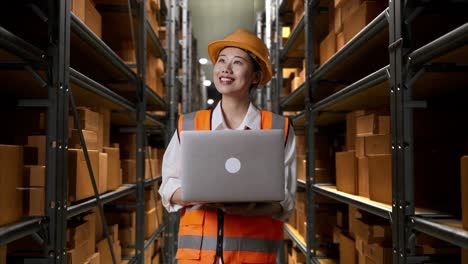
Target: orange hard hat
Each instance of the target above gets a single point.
(246, 40)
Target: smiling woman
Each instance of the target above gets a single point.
(231, 233)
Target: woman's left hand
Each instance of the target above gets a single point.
(250, 209)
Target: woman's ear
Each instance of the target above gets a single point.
(258, 77)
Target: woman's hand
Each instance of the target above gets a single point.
(250, 209)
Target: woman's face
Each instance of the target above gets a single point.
(233, 73)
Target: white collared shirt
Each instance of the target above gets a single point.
(171, 162)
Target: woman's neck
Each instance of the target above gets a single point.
(234, 111)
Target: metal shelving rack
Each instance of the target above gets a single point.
(390, 81)
(66, 36)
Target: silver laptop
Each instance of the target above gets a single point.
(232, 166)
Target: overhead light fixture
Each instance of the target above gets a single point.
(207, 83)
(210, 101)
(203, 61)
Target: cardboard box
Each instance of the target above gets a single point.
(372, 124)
(377, 145)
(127, 144)
(156, 258)
(464, 190)
(340, 40)
(34, 176)
(39, 142)
(103, 133)
(92, 18)
(11, 178)
(360, 147)
(77, 233)
(380, 178)
(354, 20)
(103, 172)
(90, 138)
(105, 254)
(337, 20)
(78, 254)
(346, 172)
(94, 259)
(36, 197)
(78, 8)
(348, 7)
(3, 254)
(114, 179)
(91, 219)
(129, 170)
(79, 182)
(113, 232)
(348, 253)
(150, 222)
(89, 120)
(353, 215)
(363, 177)
(327, 47)
(378, 253)
(301, 167)
(127, 235)
(351, 128)
(373, 230)
(464, 256)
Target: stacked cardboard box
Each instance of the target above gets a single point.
(104, 251)
(348, 252)
(33, 188)
(80, 241)
(298, 11)
(86, 11)
(3, 254)
(11, 179)
(464, 190)
(373, 240)
(346, 19)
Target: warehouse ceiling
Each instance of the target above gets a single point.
(214, 19)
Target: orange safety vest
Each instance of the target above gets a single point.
(207, 233)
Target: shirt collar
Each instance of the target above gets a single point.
(251, 120)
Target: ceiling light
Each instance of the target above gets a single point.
(207, 83)
(210, 101)
(203, 61)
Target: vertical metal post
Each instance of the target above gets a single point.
(268, 7)
(57, 128)
(278, 67)
(204, 92)
(141, 135)
(185, 50)
(310, 6)
(258, 91)
(402, 148)
(190, 61)
(171, 41)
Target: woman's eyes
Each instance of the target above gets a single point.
(238, 62)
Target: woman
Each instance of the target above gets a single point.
(239, 233)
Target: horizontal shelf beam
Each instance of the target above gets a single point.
(353, 200)
(363, 84)
(105, 198)
(19, 47)
(446, 43)
(148, 182)
(374, 27)
(292, 96)
(88, 36)
(156, 41)
(456, 236)
(294, 236)
(21, 229)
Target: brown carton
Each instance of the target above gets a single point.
(380, 178)
(464, 256)
(150, 222)
(92, 18)
(360, 147)
(340, 41)
(90, 138)
(89, 120)
(346, 172)
(105, 254)
(77, 233)
(103, 172)
(351, 128)
(348, 253)
(78, 8)
(377, 145)
(127, 235)
(327, 47)
(36, 201)
(91, 219)
(464, 190)
(11, 178)
(156, 259)
(3, 254)
(39, 142)
(103, 132)
(30, 155)
(114, 179)
(379, 253)
(34, 176)
(373, 230)
(94, 259)
(354, 20)
(79, 182)
(79, 254)
(363, 177)
(372, 124)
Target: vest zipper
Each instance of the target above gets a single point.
(219, 239)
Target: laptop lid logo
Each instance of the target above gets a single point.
(232, 165)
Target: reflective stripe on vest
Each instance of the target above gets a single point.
(230, 243)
